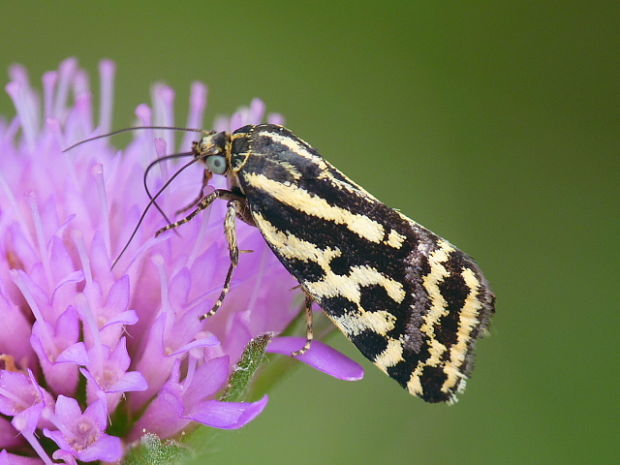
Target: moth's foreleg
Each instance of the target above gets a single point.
(230, 228)
(206, 177)
(204, 203)
(309, 328)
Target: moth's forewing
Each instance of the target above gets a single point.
(410, 301)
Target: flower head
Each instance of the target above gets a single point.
(84, 342)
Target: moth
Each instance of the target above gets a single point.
(411, 302)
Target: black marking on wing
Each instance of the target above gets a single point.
(369, 343)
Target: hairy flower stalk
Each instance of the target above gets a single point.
(93, 357)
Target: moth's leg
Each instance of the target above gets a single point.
(309, 328)
(230, 228)
(206, 177)
(204, 203)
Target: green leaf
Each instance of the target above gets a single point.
(245, 370)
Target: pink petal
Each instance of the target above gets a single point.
(209, 341)
(320, 356)
(120, 356)
(227, 415)
(19, 391)
(208, 379)
(130, 381)
(118, 297)
(163, 416)
(67, 409)
(107, 449)
(12, 459)
(16, 329)
(130, 317)
(65, 456)
(75, 353)
(72, 278)
(98, 413)
(61, 377)
(67, 327)
(26, 421)
(275, 118)
(57, 437)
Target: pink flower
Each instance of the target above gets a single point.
(82, 435)
(130, 334)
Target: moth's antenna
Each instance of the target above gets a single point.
(136, 128)
(146, 173)
(146, 209)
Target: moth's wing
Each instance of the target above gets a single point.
(410, 301)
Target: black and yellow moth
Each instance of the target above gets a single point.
(410, 301)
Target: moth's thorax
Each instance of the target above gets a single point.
(241, 146)
(254, 139)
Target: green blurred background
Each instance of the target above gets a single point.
(509, 111)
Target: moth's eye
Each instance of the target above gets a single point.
(216, 164)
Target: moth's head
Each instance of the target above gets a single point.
(211, 150)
